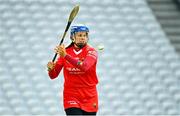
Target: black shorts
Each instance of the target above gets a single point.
(78, 111)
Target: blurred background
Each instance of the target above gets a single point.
(139, 69)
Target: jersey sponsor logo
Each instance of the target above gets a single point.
(72, 102)
(74, 70)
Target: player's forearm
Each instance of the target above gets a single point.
(55, 72)
(85, 65)
(52, 74)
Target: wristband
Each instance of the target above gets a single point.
(79, 63)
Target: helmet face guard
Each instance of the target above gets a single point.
(75, 29)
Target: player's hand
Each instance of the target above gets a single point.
(50, 65)
(60, 50)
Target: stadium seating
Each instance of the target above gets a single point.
(139, 70)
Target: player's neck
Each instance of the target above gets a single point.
(76, 47)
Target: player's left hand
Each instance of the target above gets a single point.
(60, 50)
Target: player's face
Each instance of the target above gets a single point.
(81, 38)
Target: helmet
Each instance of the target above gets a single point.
(72, 30)
(78, 28)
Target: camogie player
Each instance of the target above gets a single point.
(78, 61)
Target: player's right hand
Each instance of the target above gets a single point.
(50, 65)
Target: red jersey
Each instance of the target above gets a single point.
(79, 80)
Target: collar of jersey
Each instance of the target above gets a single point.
(77, 52)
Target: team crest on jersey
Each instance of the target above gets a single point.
(94, 105)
